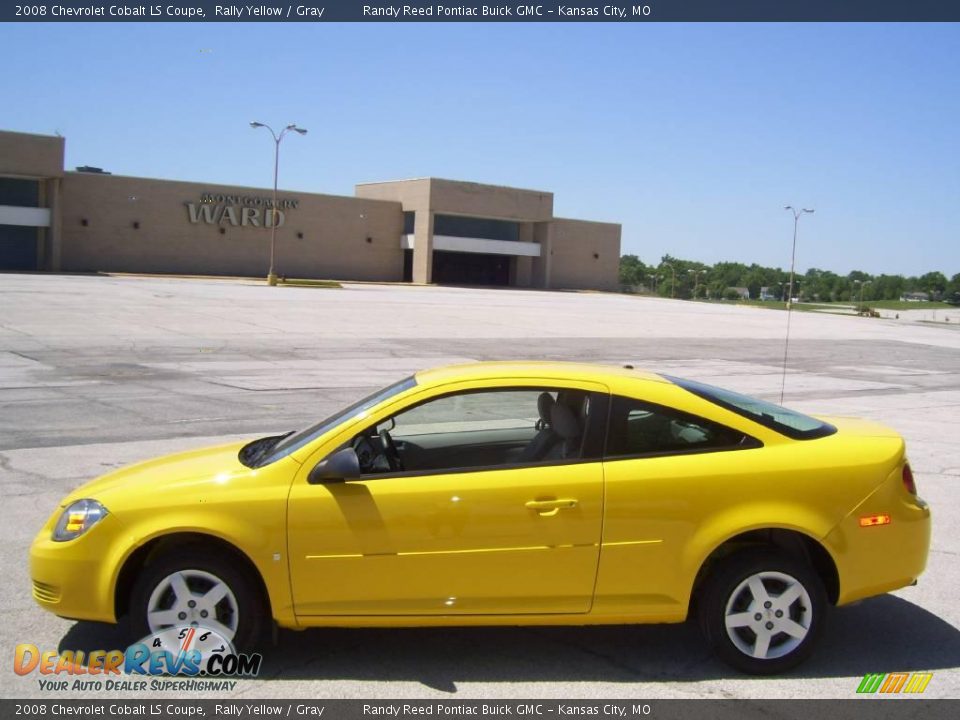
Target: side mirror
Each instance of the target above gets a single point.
(336, 467)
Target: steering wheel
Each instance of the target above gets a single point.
(366, 454)
(390, 451)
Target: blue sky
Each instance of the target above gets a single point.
(692, 136)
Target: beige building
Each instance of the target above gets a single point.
(425, 230)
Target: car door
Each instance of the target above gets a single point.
(481, 535)
(667, 473)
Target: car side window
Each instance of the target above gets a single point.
(639, 428)
(479, 429)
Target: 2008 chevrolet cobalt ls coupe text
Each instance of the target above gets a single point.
(505, 494)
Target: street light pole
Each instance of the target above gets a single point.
(793, 252)
(277, 139)
(863, 284)
(696, 281)
(673, 280)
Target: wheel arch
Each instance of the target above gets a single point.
(791, 541)
(163, 545)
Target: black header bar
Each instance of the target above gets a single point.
(419, 11)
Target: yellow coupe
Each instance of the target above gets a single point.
(505, 494)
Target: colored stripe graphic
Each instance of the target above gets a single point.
(898, 682)
(870, 682)
(894, 682)
(918, 683)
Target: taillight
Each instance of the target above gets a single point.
(908, 482)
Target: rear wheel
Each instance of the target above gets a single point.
(763, 611)
(197, 588)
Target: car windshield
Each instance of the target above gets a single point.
(294, 441)
(788, 422)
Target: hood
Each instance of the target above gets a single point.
(186, 468)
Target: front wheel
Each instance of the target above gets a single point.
(197, 589)
(763, 612)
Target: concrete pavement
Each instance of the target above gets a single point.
(96, 372)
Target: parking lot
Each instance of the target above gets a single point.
(97, 372)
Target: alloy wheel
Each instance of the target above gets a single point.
(196, 598)
(768, 615)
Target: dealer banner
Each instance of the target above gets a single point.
(420, 11)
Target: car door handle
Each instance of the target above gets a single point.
(551, 507)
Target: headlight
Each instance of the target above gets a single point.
(77, 519)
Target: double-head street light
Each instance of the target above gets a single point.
(673, 279)
(696, 280)
(793, 253)
(271, 275)
(783, 291)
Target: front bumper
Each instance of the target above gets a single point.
(74, 579)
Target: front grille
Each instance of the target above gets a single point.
(46, 593)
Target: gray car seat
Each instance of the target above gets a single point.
(567, 434)
(545, 404)
(537, 448)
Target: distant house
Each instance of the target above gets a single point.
(743, 292)
(915, 297)
(765, 293)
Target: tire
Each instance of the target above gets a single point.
(745, 620)
(236, 609)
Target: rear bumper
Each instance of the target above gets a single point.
(878, 559)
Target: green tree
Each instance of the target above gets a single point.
(814, 284)
(952, 293)
(934, 283)
(633, 271)
(753, 280)
(887, 287)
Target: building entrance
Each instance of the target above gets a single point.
(18, 240)
(18, 247)
(461, 268)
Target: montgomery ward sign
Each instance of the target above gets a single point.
(238, 210)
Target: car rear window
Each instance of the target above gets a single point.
(788, 422)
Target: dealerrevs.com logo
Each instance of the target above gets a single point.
(177, 652)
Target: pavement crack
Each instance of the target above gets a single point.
(7, 466)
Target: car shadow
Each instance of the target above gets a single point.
(884, 634)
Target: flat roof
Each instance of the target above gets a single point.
(455, 182)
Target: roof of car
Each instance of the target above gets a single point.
(534, 369)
